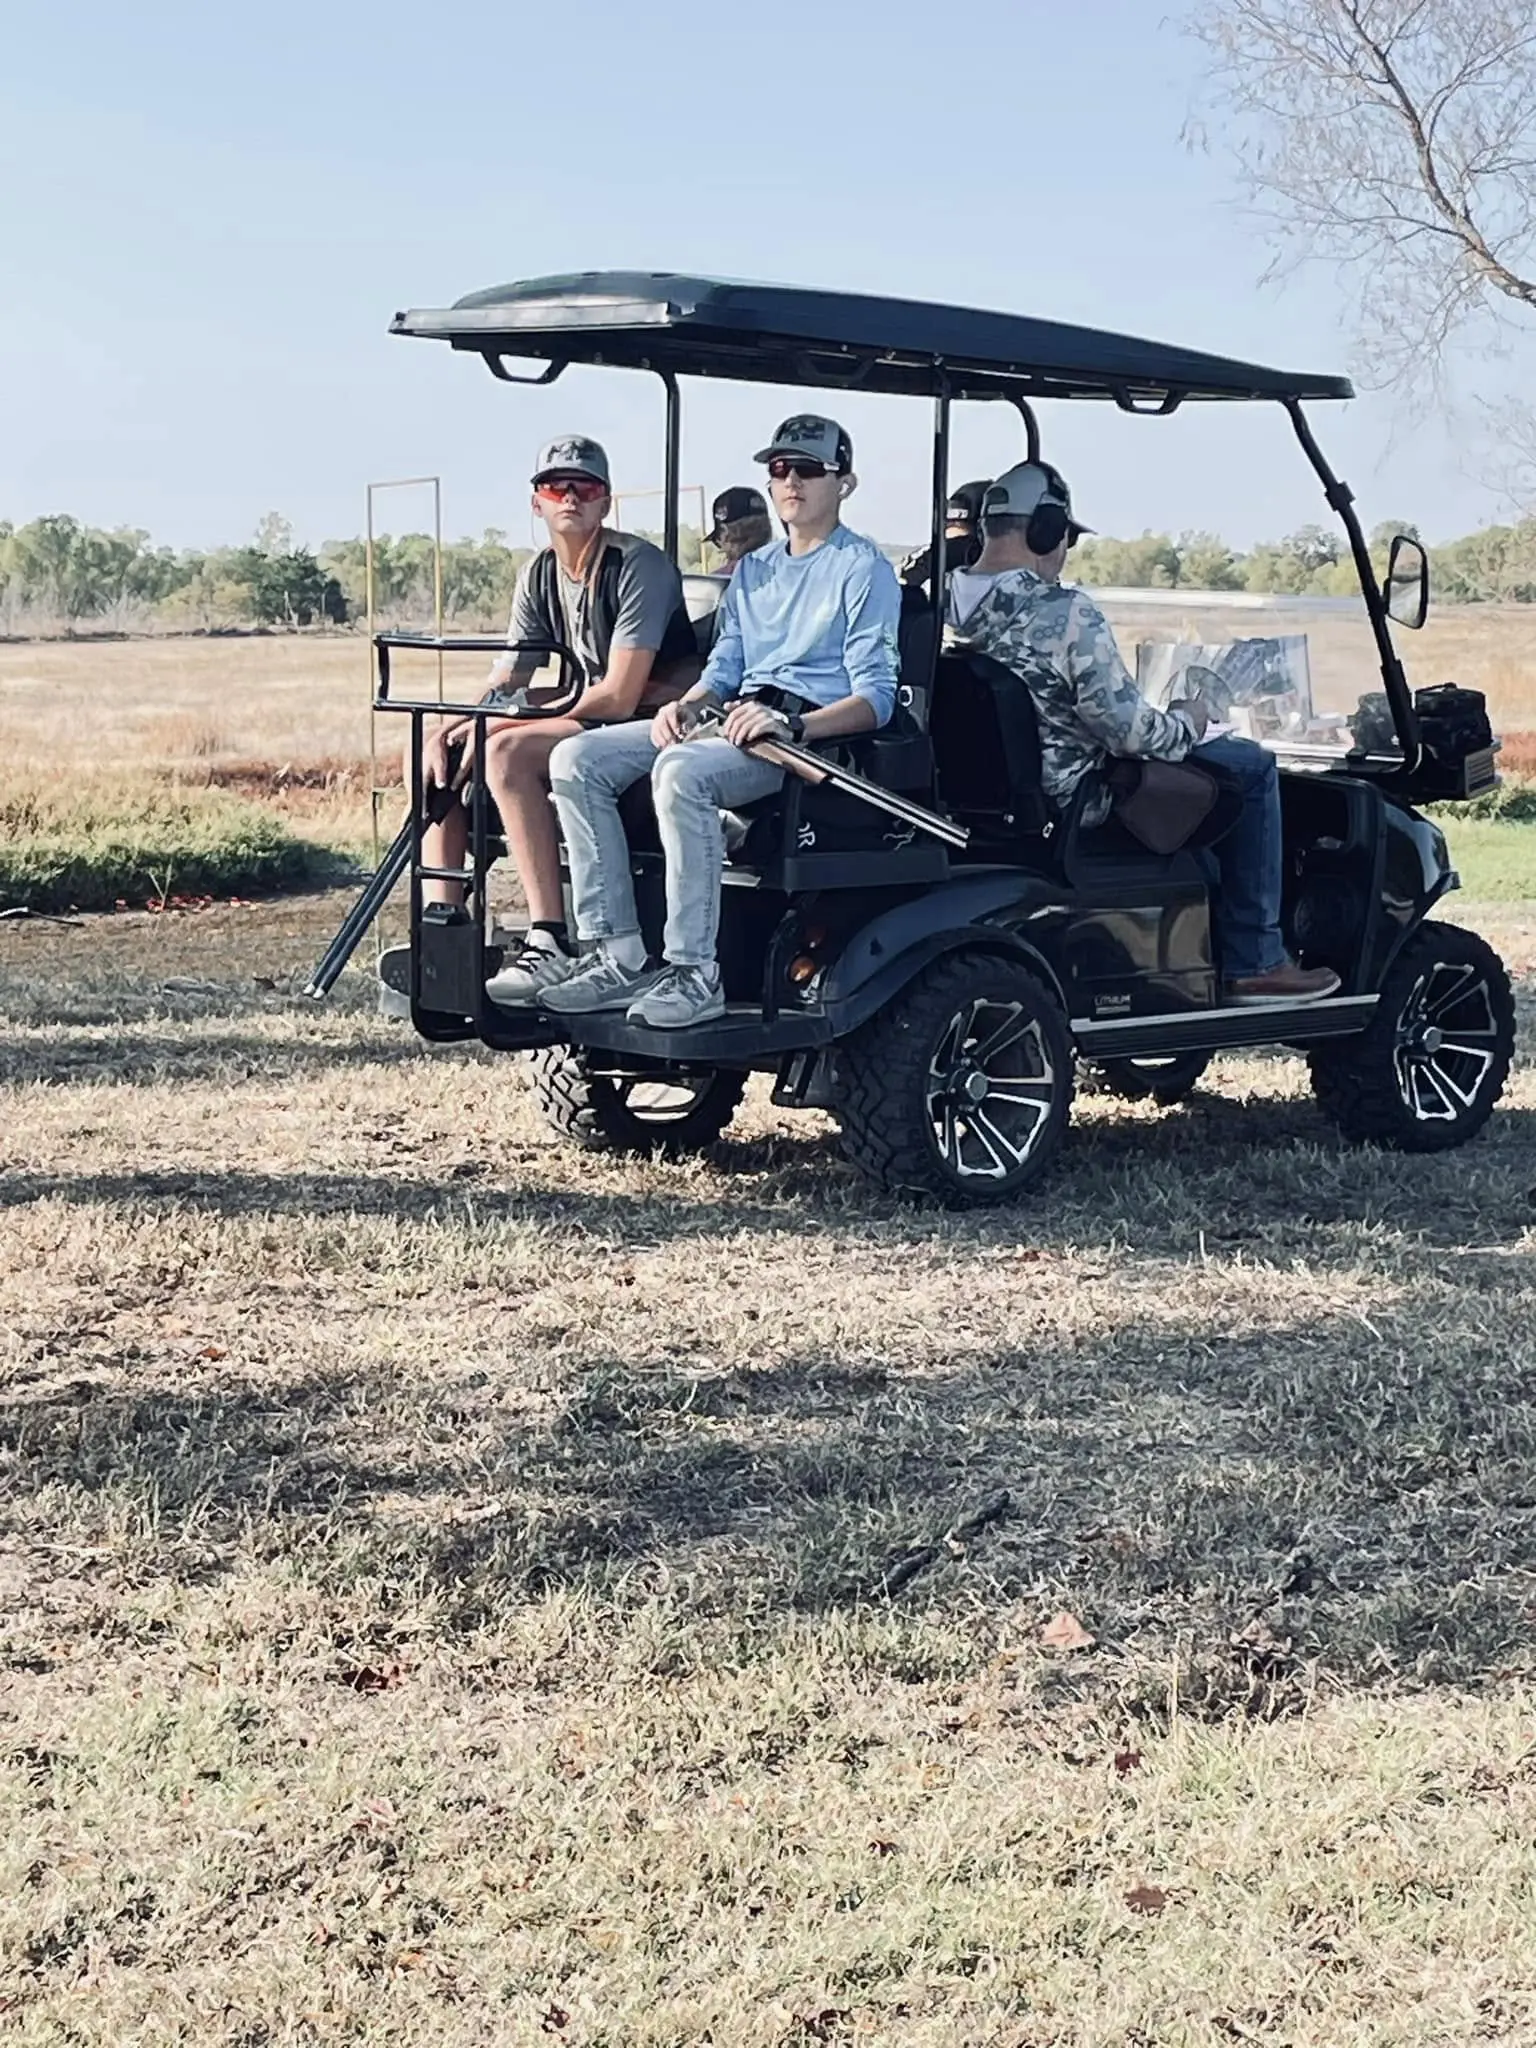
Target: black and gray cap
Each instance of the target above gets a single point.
(816, 438)
(965, 502)
(573, 455)
(739, 502)
(1018, 491)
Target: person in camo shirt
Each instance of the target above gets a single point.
(1012, 605)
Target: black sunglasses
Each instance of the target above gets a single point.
(803, 466)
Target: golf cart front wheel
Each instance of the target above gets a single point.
(1427, 1070)
(670, 1113)
(960, 1088)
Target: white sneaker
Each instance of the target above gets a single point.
(599, 983)
(680, 996)
(535, 962)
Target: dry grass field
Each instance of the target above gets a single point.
(460, 1592)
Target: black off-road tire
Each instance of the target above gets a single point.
(897, 1130)
(1385, 1087)
(597, 1113)
(1163, 1078)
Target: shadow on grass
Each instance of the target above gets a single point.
(1220, 1171)
(129, 1055)
(1361, 1491)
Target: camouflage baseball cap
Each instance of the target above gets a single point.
(573, 455)
(1019, 490)
(811, 435)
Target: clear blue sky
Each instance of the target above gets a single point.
(210, 214)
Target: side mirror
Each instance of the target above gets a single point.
(1407, 582)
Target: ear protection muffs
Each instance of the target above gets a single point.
(1050, 519)
(1047, 527)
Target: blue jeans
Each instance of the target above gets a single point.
(691, 781)
(1247, 861)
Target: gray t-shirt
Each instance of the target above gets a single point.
(650, 591)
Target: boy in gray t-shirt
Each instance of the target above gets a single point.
(616, 603)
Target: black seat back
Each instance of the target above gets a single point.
(986, 745)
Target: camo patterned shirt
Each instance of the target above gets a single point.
(1057, 640)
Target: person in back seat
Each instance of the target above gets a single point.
(1013, 606)
(807, 650)
(962, 538)
(617, 603)
(741, 525)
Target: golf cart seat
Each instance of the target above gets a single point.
(986, 746)
(702, 599)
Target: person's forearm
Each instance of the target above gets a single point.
(834, 721)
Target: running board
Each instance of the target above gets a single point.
(1238, 1025)
(743, 1037)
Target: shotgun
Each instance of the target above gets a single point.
(812, 767)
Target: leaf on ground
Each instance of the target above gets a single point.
(1147, 1898)
(1065, 1632)
(829, 2023)
(883, 1848)
(213, 1351)
(370, 1677)
(1126, 1761)
(553, 2019)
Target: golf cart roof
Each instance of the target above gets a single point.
(777, 334)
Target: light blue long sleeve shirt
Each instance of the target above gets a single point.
(821, 624)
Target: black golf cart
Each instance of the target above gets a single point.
(938, 998)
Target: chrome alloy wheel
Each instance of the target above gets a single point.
(1446, 1042)
(991, 1085)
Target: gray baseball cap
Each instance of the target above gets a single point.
(1019, 490)
(573, 455)
(816, 438)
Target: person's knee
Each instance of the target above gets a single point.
(518, 754)
(682, 773)
(570, 762)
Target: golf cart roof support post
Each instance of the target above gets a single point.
(940, 521)
(673, 463)
(1342, 499)
(1031, 427)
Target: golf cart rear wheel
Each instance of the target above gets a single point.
(1427, 1070)
(960, 1088)
(671, 1113)
(1164, 1078)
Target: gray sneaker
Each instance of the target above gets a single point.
(599, 983)
(680, 996)
(528, 970)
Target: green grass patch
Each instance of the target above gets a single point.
(72, 846)
(1495, 858)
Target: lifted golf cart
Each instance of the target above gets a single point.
(938, 998)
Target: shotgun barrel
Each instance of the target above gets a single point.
(813, 767)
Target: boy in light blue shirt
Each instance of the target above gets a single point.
(813, 620)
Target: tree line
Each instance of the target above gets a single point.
(59, 575)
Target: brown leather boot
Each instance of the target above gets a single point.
(1286, 983)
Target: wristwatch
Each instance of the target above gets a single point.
(796, 723)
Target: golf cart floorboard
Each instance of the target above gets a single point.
(743, 1037)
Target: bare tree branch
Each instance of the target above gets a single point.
(1396, 139)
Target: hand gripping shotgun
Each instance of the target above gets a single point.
(703, 717)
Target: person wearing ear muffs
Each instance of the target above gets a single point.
(1011, 604)
(806, 651)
